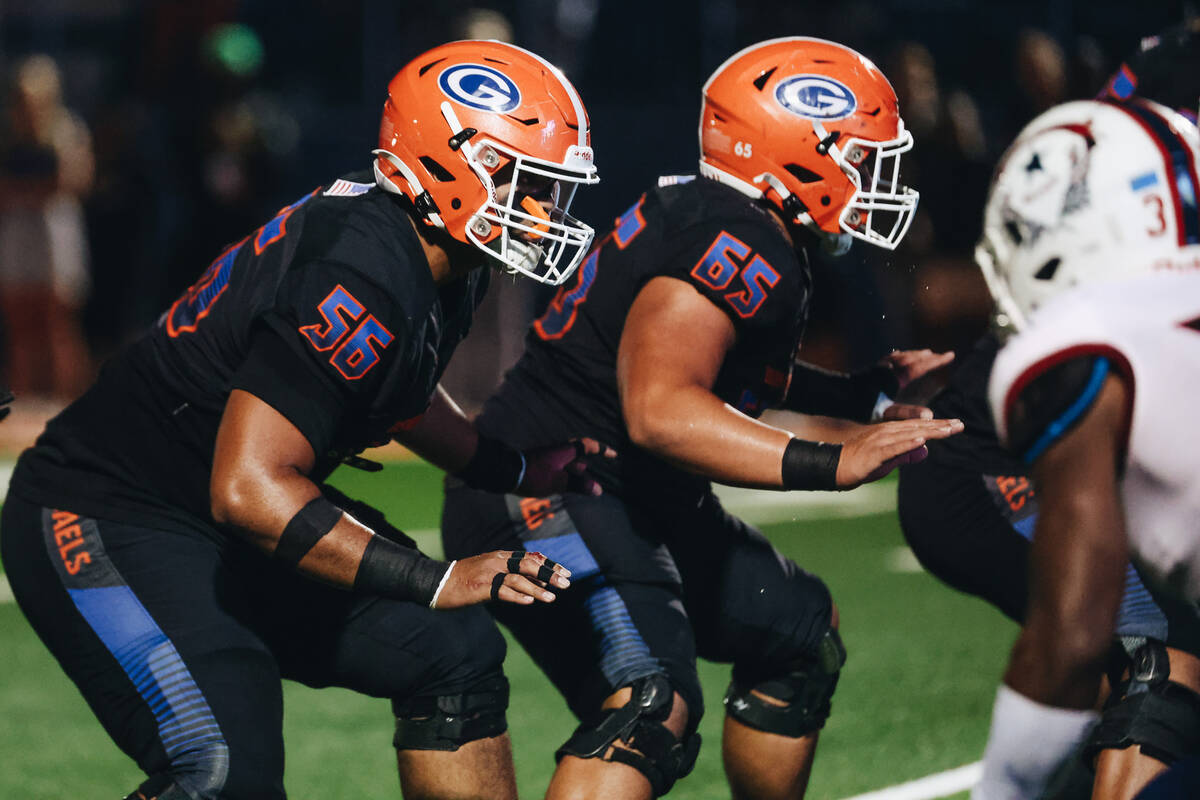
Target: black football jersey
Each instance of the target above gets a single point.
(695, 230)
(977, 448)
(328, 313)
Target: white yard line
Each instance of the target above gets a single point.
(763, 507)
(940, 784)
(6, 468)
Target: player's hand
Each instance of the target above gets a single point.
(561, 468)
(6, 398)
(901, 411)
(878, 449)
(510, 576)
(911, 365)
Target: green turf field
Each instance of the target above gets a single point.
(914, 698)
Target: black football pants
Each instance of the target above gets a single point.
(653, 586)
(179, 645)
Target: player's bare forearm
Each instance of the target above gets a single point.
(694, 429)
(1079, 559)
(260, 482)
(1076, 589)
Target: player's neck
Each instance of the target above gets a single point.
(442, 266)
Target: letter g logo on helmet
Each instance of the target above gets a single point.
(480, 87)
(816, 97)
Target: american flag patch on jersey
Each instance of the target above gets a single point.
(344, 188)
(674, 180)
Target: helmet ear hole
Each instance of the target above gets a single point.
(1047, 270)
(803, 174)
(456, 204)
(826, 200)
(439, 173)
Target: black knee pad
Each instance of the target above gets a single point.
(1149, 710)
(806, 689)
(158, 787)
(656, 753)
(446, 722)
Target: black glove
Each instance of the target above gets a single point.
(368, 515)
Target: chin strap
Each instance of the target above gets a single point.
(423, 201)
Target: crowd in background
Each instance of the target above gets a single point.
(138, 138)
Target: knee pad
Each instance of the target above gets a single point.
(656, 752)
(159, 787)
(806, 692)
(446, 722)
(1149, 710)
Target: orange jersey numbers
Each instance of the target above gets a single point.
(354, 351)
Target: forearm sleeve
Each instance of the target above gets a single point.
(837, 394)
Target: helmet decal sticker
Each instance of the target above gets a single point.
(480, 87)
(1047, 181)
(816, 97)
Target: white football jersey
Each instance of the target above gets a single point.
(1149, 330)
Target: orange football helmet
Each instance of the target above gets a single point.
(813, 128)
(490, 141)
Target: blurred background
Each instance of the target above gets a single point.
(137, 138)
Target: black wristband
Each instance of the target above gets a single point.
(391, 570)
(495, 467)
(810, 465)
(305, 529)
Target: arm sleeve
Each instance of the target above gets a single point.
(853, 396)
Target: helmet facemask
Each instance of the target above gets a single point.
(881, 208)
(524, 222)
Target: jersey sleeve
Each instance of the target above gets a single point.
(1051, 403)
(746, 269)
(1045, 380)
(322, 355)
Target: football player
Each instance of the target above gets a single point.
(169, 536)
(682, 326)
(1091, 247)
(969, 510)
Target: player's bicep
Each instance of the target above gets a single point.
(674, 339)
(259, 463)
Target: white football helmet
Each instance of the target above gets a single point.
(1090, 191)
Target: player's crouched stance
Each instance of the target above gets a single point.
(169, 536)
(682, 327)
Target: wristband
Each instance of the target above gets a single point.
(882, 404)
(391, 570)
(305, 529)
(495, 467)
(810, 465)
(442, 584)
